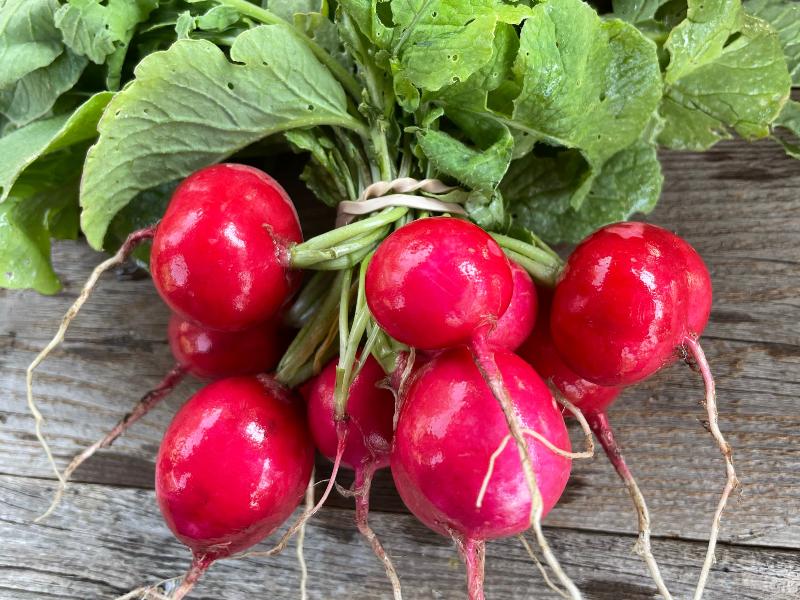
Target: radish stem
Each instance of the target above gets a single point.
(605, 435)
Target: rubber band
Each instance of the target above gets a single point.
(377, 196)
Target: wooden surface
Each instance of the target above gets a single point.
(738, 204)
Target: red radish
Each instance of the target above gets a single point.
(517, 322)
(209, 353)
(619, 311)
(439, 469)
(370, 411)
(633, 297)
(436, 282)
(219, 254)
(233, 465)
(439, 282)
(370, 415)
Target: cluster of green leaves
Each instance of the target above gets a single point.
(547, 114)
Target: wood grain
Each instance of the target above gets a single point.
(739, 204)
(104, 541)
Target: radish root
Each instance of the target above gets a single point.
(362, 486)
(731, 481)
(484, 360)
(474, 553)
(134, 239)
(283, 542)
(588, 453)
(301, 535)
(145, 404)
(199, 566)
(541, 568)
(605, 435)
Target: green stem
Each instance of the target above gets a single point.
(308, 298)
(343, 234)
(310, 336)
(269, 18)
(349, 347)
(542, 274)
(347, 261)
(545, 258)
(305, 258)
(344, 311)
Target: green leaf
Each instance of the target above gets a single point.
(29, 39)
(42, 204)
(479, 168)
(726, 72)
(34, 95)
(784, 16)
(586, 83)
(441, 42)
(473, 94)
(637, 11)
(789, 121)
(95, 29)
(538, 192)
(23, 146)
(189, 107)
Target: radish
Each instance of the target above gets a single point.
(440, 470)
(233, 465)
(204, 353)
(220, 253)
(631, 299)
(439, 282)
(516, 323)
(370, 414)
(209, 353)
(436, 282)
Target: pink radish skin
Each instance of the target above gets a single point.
(211, 354)
(434, 283)
(518, 320)
(233, 465)
(219, 253)
(439, 469)
(370, 411)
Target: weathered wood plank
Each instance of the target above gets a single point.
(104, 541)
(738, 204)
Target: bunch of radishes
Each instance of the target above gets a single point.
(426, 381)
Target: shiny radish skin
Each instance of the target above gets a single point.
(518, 320)
(540, 352)
(211, 354)
(620, 308)
(370, 412)
(699, 289)
(435, 282)
(219, 254)
(449, 426)
(233, 465)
